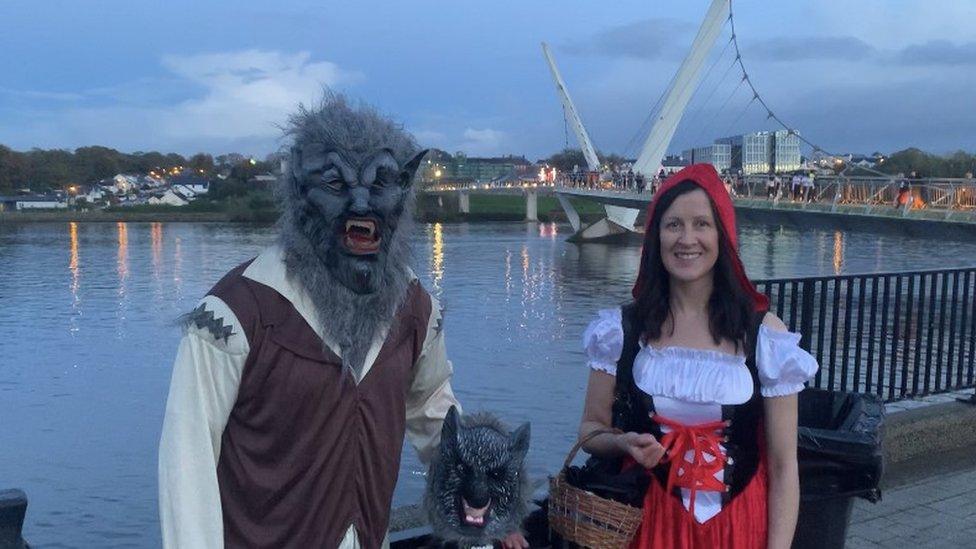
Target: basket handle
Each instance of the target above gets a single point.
(590, 436)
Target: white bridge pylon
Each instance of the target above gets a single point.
(619, 219)
(589, 153)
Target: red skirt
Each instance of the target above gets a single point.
(741, 524)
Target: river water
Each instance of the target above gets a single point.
(87, 339)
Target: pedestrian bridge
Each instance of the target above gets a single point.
(923, 204)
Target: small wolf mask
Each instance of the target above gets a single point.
(477, 489)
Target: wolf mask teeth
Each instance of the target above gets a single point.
(477, 489)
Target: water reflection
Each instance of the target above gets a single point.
(74, 267)
(548, 230)
(123, 269)
(156, 238)
(123, 256)
(838, 252)
(178, 267)
(518, 302)
(73, 261)
(437, 258)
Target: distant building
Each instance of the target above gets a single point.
(195, 184)
(483, 170)
(673, 163)
(764, 152)
(32, 202)
(172, 197)
(263, 180)
(786, 151)
(718, 155)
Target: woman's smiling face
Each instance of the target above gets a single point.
(689, 237)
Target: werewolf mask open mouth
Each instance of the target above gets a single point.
(477, 489)
(473, 516)
(361, 236)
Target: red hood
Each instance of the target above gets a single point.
(705, 176)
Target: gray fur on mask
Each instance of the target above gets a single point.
(477, 487)
(354, 295)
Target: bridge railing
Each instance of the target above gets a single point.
(872, 192)
(897, 335)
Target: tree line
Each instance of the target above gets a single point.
(42, 170)
(957, 164)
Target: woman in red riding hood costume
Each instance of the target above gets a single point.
(701, 379)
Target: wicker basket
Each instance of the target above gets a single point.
(585, 518)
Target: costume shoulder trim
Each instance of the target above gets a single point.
(214, 321)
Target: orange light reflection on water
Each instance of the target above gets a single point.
(156, 238)
(548, 230)
(437, 258)
(123, 261)
(838, 252)
(73, 262)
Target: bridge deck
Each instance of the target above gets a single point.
(631, 199)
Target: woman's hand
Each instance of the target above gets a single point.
(642, 447)
(515, 540)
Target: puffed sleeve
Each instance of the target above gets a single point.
(783, 366)
(603, 340)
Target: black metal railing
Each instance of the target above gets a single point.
(897, 335)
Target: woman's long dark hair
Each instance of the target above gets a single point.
(730, 309)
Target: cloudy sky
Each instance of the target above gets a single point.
(222, 75)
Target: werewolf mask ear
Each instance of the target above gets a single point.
(451, 428)
(519, 442)
(410, 169)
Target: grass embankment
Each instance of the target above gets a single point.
(259, 208)
(250, 208)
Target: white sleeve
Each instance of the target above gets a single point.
(783, 366)
(603, 341)
(206, 377)
(430, 395)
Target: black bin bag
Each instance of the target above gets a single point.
(840, 457)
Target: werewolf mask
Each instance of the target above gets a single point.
(351, 183)
(346, 210)
(477, 489)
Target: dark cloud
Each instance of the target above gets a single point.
(938, 52)
(803, 48)
(648, 39)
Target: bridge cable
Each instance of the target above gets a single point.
(644, 128)
(645, 125)
(695, 115)
(769, 112)
(695, 118)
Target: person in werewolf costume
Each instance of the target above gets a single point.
(301, 371)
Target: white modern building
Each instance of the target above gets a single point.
(786, 151)
(718, 155)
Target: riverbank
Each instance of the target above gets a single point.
(484, 208)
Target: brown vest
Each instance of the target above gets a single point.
(306, 452)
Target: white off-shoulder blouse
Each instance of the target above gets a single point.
(691, 385)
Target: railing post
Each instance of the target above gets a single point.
(806, 315)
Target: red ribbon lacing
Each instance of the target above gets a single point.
(697, 473)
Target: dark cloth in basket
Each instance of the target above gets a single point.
(608, 479)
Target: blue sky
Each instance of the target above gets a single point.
(221, 76)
